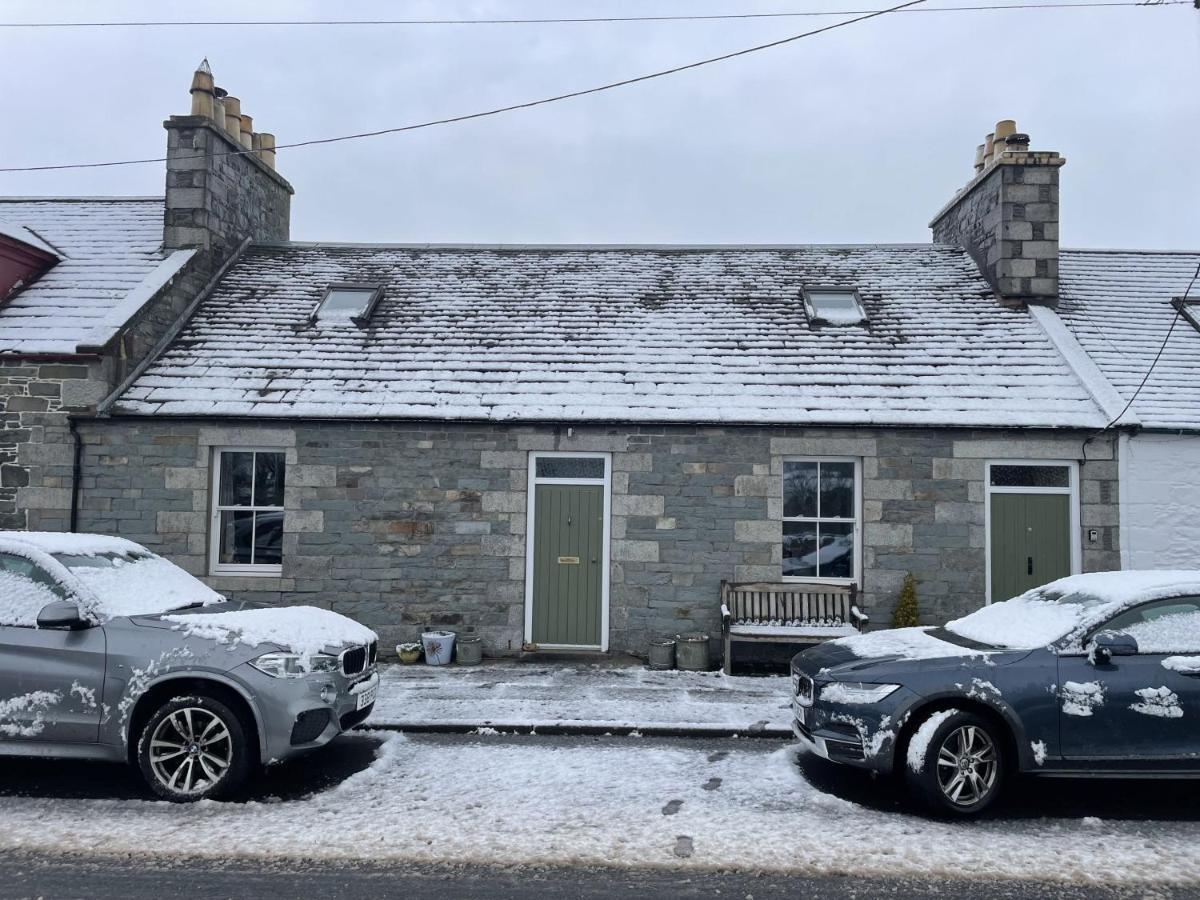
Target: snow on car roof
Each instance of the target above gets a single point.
(54, 542)
(1068, 606)
(104, 578)
(1130, 585)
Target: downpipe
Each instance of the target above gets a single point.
(76, 469)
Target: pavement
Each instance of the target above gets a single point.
(580, 698)
(67, 878)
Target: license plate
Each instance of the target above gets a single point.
(801, 713)
(366, 698)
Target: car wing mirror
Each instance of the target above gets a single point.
(62, 614)
(1107, 644)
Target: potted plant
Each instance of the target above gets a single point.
(409, 652)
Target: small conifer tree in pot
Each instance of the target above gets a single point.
(906, 614)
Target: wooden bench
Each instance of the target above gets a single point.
(789, 613)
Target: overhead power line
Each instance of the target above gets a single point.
(576, 20)
(449, 120)
(1166, 340)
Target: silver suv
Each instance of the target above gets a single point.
(110, 652)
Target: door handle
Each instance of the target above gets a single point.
(1029, 565)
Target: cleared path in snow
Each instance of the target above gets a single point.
(598, 698)
(689, 805)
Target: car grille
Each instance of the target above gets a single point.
(354, 660)
(372, 652)
(802, 687)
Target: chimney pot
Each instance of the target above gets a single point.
(233, 118)
(1004, 128)
(246, 130)
(202, 91)
(1017, 141)
(980, 156)
(266, 142)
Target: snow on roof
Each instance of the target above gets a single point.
(1118, 305)
(107, 248)
(654, 334)
(25, 236)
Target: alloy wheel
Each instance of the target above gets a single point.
(191, 750)
(967, 765)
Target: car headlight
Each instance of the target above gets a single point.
(293, 665)
(856, 692)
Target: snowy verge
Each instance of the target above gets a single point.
(588, 803)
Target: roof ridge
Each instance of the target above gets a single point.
(597, 247)
(1141, 251)
(113, 199)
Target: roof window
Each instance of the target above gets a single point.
(1189, 309)
(348, 303)
(834, 306)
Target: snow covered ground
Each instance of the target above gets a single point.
(684, 804)
(501, 695)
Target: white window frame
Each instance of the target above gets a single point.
(530, 531)
(1075, 539)
(857, 531)
(215, 567)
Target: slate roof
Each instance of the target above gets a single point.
(108, 247)
(1118, 305)
(633, 334)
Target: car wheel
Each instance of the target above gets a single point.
(955, 763)
(194, 748)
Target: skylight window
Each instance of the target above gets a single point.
(348, 303)
(1190, 309)
(834, 306)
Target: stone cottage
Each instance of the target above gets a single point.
(570, 447)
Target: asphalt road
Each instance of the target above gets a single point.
(64, 879)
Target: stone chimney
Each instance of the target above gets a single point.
(222, 186)
(1007, 217)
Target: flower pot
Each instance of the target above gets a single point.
(469, 650)
(439, 647)
(691, 652)
(408, 653)
(662, 654)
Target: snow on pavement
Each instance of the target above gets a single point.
(500, 695)
(627, 803)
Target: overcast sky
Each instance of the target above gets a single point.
(855, 136)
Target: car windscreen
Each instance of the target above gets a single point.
(1034, 619)
(137, 583)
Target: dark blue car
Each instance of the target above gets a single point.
(1092, 675)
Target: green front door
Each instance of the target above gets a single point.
(568, 564)
(1031, 541)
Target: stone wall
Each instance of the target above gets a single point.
(214, 200)
(1007, 219)
(411, 525)
(218, 195)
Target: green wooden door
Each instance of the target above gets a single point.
(1031, 541)
(568, 564)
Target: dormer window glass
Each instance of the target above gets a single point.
(834, 306)
(348, 303)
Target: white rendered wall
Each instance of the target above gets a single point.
(1160, 501)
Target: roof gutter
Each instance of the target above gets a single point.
(171, 333)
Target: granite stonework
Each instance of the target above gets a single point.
(411, 525)
(216, 198)
(1007, 219)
